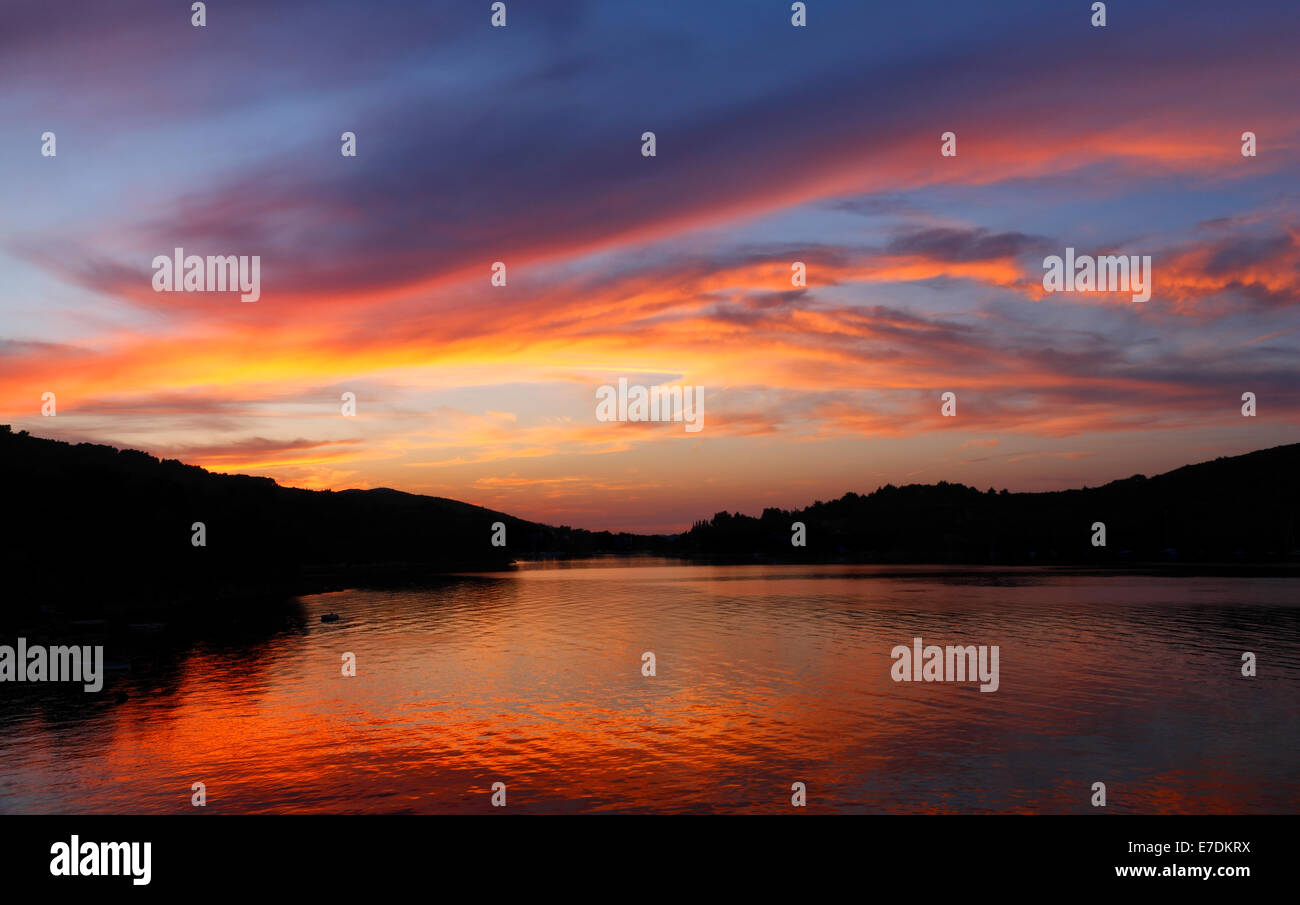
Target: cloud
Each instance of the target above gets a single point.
(964, 245)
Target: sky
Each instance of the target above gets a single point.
(775, 144)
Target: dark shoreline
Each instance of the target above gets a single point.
(95, 530)
(917, 567)
(254, 605)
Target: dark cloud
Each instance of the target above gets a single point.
(527, 145)
(1237, 254)
(963, 245)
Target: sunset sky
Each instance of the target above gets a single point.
(775, 144)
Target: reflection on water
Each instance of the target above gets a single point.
(766, 676)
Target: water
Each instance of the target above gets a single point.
(766, 675)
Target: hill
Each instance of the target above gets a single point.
(109, 528)
(1230, 510)
(96, 528)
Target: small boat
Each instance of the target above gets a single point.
(329, 617)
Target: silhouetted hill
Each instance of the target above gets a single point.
(95, 527)
(107, 528)
(1237, 509)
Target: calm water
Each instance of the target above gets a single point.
(766, 675)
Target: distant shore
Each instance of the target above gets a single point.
(102, 530)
